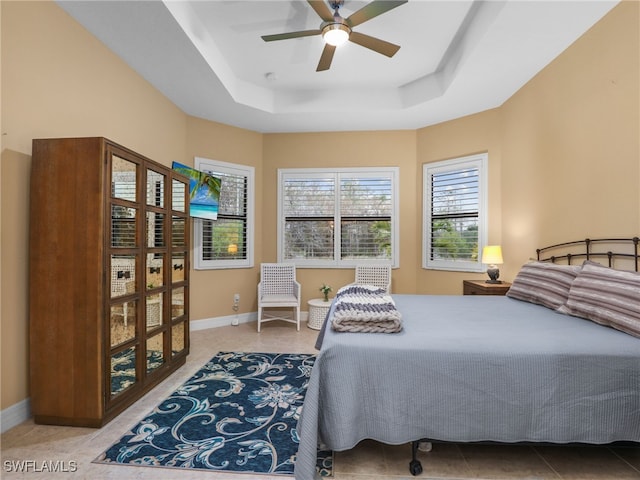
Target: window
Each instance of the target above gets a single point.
(228, 241)
(338, 217)
(454, 209)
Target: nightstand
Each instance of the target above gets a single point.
(481, 287)
(318, 309)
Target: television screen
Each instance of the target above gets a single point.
(204, 192)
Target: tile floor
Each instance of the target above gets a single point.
(367, 461)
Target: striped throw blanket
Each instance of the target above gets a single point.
(365, 308)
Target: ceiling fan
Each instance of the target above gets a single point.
(336, 30)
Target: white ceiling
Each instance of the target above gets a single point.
(456, 58)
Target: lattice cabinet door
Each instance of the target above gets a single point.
(109, 278)
(179, 269)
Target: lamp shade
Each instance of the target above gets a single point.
(492, 255)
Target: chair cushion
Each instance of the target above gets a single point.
(278, 299)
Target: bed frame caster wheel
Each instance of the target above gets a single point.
(415, 467)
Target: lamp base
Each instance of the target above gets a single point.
(493, 273)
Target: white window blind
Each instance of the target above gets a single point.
(337, 217)
(366, 210)
(309, 211)
(454, 213)
(228, 241)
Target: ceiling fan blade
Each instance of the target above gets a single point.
(372, 10)
(375, 44)
(322, 9)
(286, 36)
(326, 57)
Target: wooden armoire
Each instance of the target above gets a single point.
(108, 278)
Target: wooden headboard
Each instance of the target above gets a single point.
(621, 253)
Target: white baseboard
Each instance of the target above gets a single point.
(21, 411)
(205, 323)
(214, 322)
(15, 415)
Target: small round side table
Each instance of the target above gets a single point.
(318, 309)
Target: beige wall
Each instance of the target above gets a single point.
(564, 151)
(59, 81)
(571, 143)
(564, 156)
(212, 290)
(316, 150)
(464, 136)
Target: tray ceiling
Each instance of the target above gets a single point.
(456, 58)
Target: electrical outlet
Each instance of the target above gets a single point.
(236, 302)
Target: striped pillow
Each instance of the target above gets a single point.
(606, 296)
(544, 284)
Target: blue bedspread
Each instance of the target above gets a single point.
(472, 368)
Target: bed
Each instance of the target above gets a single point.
(482, 368)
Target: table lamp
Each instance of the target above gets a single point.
(492, 255)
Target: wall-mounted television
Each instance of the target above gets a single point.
(204, 192)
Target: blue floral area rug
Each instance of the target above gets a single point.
(238, 413)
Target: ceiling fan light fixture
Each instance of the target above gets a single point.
(336, 34)
(336, 30)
